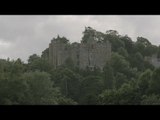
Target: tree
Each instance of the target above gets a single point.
(40, 89)
(127, 78)
(120, 79)
(33, 58)
(144, 80)
(12, 92)
(66, 101)
(69, 63)
(155, 82)
(150, 100)
(158, 52)
(67, 81)
(122, 51)
(115, 41)
(35, 62)
(150, 50)
(91, 86)
(143, 46)
(109, 97)
(143, 41)
(108, 76)
(12, 89)
(112, 32)
(119, 64)
(90, 34)
(18, 67)
(129, 44)
(136, 59)
(129, 94)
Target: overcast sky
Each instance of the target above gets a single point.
(23, 35)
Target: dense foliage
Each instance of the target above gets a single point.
(127, 78)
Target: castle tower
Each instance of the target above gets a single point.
(92, 52)
(58, 52)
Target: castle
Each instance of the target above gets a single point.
(154, 60)
(91, 53)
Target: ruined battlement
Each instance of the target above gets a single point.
(92, 53)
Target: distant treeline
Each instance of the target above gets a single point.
(126, 79)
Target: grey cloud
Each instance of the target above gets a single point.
(21, 36)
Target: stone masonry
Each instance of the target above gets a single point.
(90, 54)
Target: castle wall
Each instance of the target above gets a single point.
(59, 53)
(101, 55)
(154, 60)
(50, 53)
(74, 54)
(94, 55)
(83, 56)
(90, 54)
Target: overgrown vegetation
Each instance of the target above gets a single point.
(126, 79)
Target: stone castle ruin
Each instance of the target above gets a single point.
(92, 52)
(154, 60)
